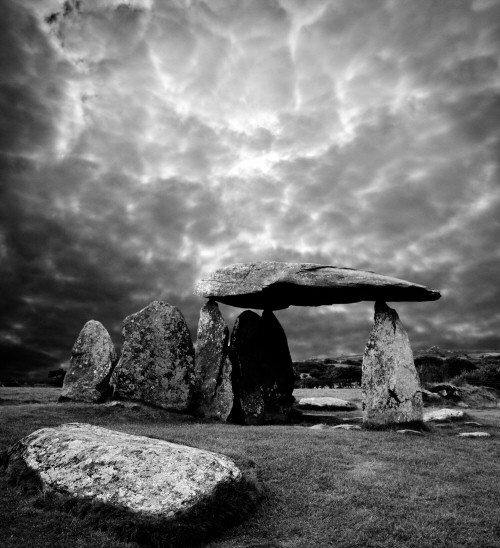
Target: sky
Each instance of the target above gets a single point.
(145, 143)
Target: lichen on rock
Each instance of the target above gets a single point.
(157, 361)
(213, 386)
(92, 358)
(390, 384)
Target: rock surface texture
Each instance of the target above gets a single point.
(326, 404)
(92, 358)
(147, 479)
(157, 361)
(390, 384)
(274, 285)
(440, 415)
(262, 369)
(213, 386)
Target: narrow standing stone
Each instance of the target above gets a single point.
(157, 362)
(92, 359)
(279, 369)
(262, 369)
(390, 384)
(248, 372)
(213, 387)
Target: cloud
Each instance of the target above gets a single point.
(149, 143)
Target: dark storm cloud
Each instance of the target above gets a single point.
(147, 143)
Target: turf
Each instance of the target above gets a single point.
(323, 487)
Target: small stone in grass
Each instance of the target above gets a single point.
(472, 423)
(474, 435)
(346, 427)
(443, 415)
(318, 426)
(408, 432)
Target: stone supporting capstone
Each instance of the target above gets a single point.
(213, 386)
(92, 358)
(279, 369)
(157, 361)
(390, 384)
(262, 369)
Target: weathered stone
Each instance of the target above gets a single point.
(278, 365)
(409, 432)
(430, 397)
(474, 435)
(443, 415)
(320, 426)
(92, 358)
(263, 372)
(390, 383)
(346, 427)
(213, 386)
(273, 285)
(248, 371)
(326, 404)
(147, 479)
(157, 361)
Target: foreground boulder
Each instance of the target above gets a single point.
(271, 285)
(390, 383)
(144, 482)
(157, 361)
(326, 404)
(213, 387)
(263, 371)
(92, 358)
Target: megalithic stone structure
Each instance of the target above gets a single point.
(392, 388)
(92, 358)
(213, 386)
(157, 361)
(390, 383)
(279, 369)
(246, 354)
(263, 372)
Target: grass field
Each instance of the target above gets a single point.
(352, 488)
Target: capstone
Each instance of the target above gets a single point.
(272, 285)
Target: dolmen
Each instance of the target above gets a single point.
(258, 350)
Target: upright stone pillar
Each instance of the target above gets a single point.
(279, 369)
(390, 383)
(248, 371)
(157, 361)
(92, 358)
(213, 386)
(262, 369)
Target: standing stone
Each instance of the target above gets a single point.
(213, 387)
(391, 387)
(157, 362)
(248, 372)
(263, 372)
(92, 359)
(278, 369)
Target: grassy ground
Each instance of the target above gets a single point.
(324, 487)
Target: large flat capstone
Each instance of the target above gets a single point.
(275, 285)
(147, 477)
